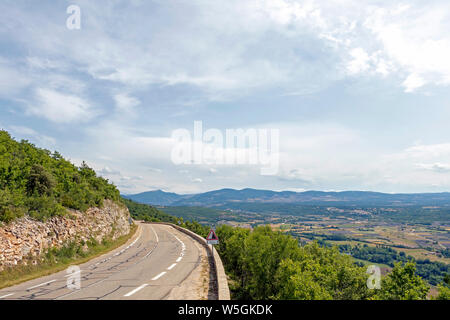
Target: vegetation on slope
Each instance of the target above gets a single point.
(264, 264)
(42, 184)
(145, 212)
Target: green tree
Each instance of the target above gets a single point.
(402, 283)
(444, 292)
(264, 264)
(297, 283)
(322, 273)
(263, 252)
(40, 181)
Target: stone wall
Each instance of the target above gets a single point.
(26, 237)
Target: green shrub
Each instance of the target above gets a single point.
(43, 184)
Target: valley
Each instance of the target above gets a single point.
(383, 232)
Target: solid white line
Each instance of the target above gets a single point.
(42, 284)
(171, 267)
(179, 259)
(6, 295)
(136, 290)
(159, 276)
(157, 239)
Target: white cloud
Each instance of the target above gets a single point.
(413, 82)
(125, 103)
(360, 61)
(12, 80)
(43, 141)
(230, 46)
(413, 38)
(108, 171)
(436, 167)
(427, 151)
(60, 108)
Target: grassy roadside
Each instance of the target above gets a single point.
(56, 260)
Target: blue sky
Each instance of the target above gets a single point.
(358, 89)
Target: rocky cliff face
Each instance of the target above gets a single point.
(27, 237)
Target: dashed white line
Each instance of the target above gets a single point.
(159, 276)
(7, 295)
(183, 248)
(42, 284)
(118, 253)
(172, 266)
(136, 290)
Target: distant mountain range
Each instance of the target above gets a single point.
(223, 197)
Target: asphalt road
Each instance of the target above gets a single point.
(157, 259)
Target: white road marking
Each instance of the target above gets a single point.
(159, 276)
(42, 284)
(136, 290)
(72, 274)
(108, 277)
(7, 295)
(183, 248)
(122, 251)
(172, 266)
(157, 239)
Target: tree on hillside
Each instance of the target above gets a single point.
(40, 181)
(444, 292)
(321, 273)
(264, 250)
(444, 289)
(403, 284)
(264, 264)
(42, 184)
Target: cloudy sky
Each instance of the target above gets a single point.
(359, 90)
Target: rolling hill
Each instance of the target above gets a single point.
(347, 198)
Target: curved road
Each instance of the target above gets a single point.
(156, 260)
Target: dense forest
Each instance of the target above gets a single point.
(264, 264)
(42, 184)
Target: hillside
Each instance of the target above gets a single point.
(348, 198)
(43, 184)
(157, 197)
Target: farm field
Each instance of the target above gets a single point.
(420, 232)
